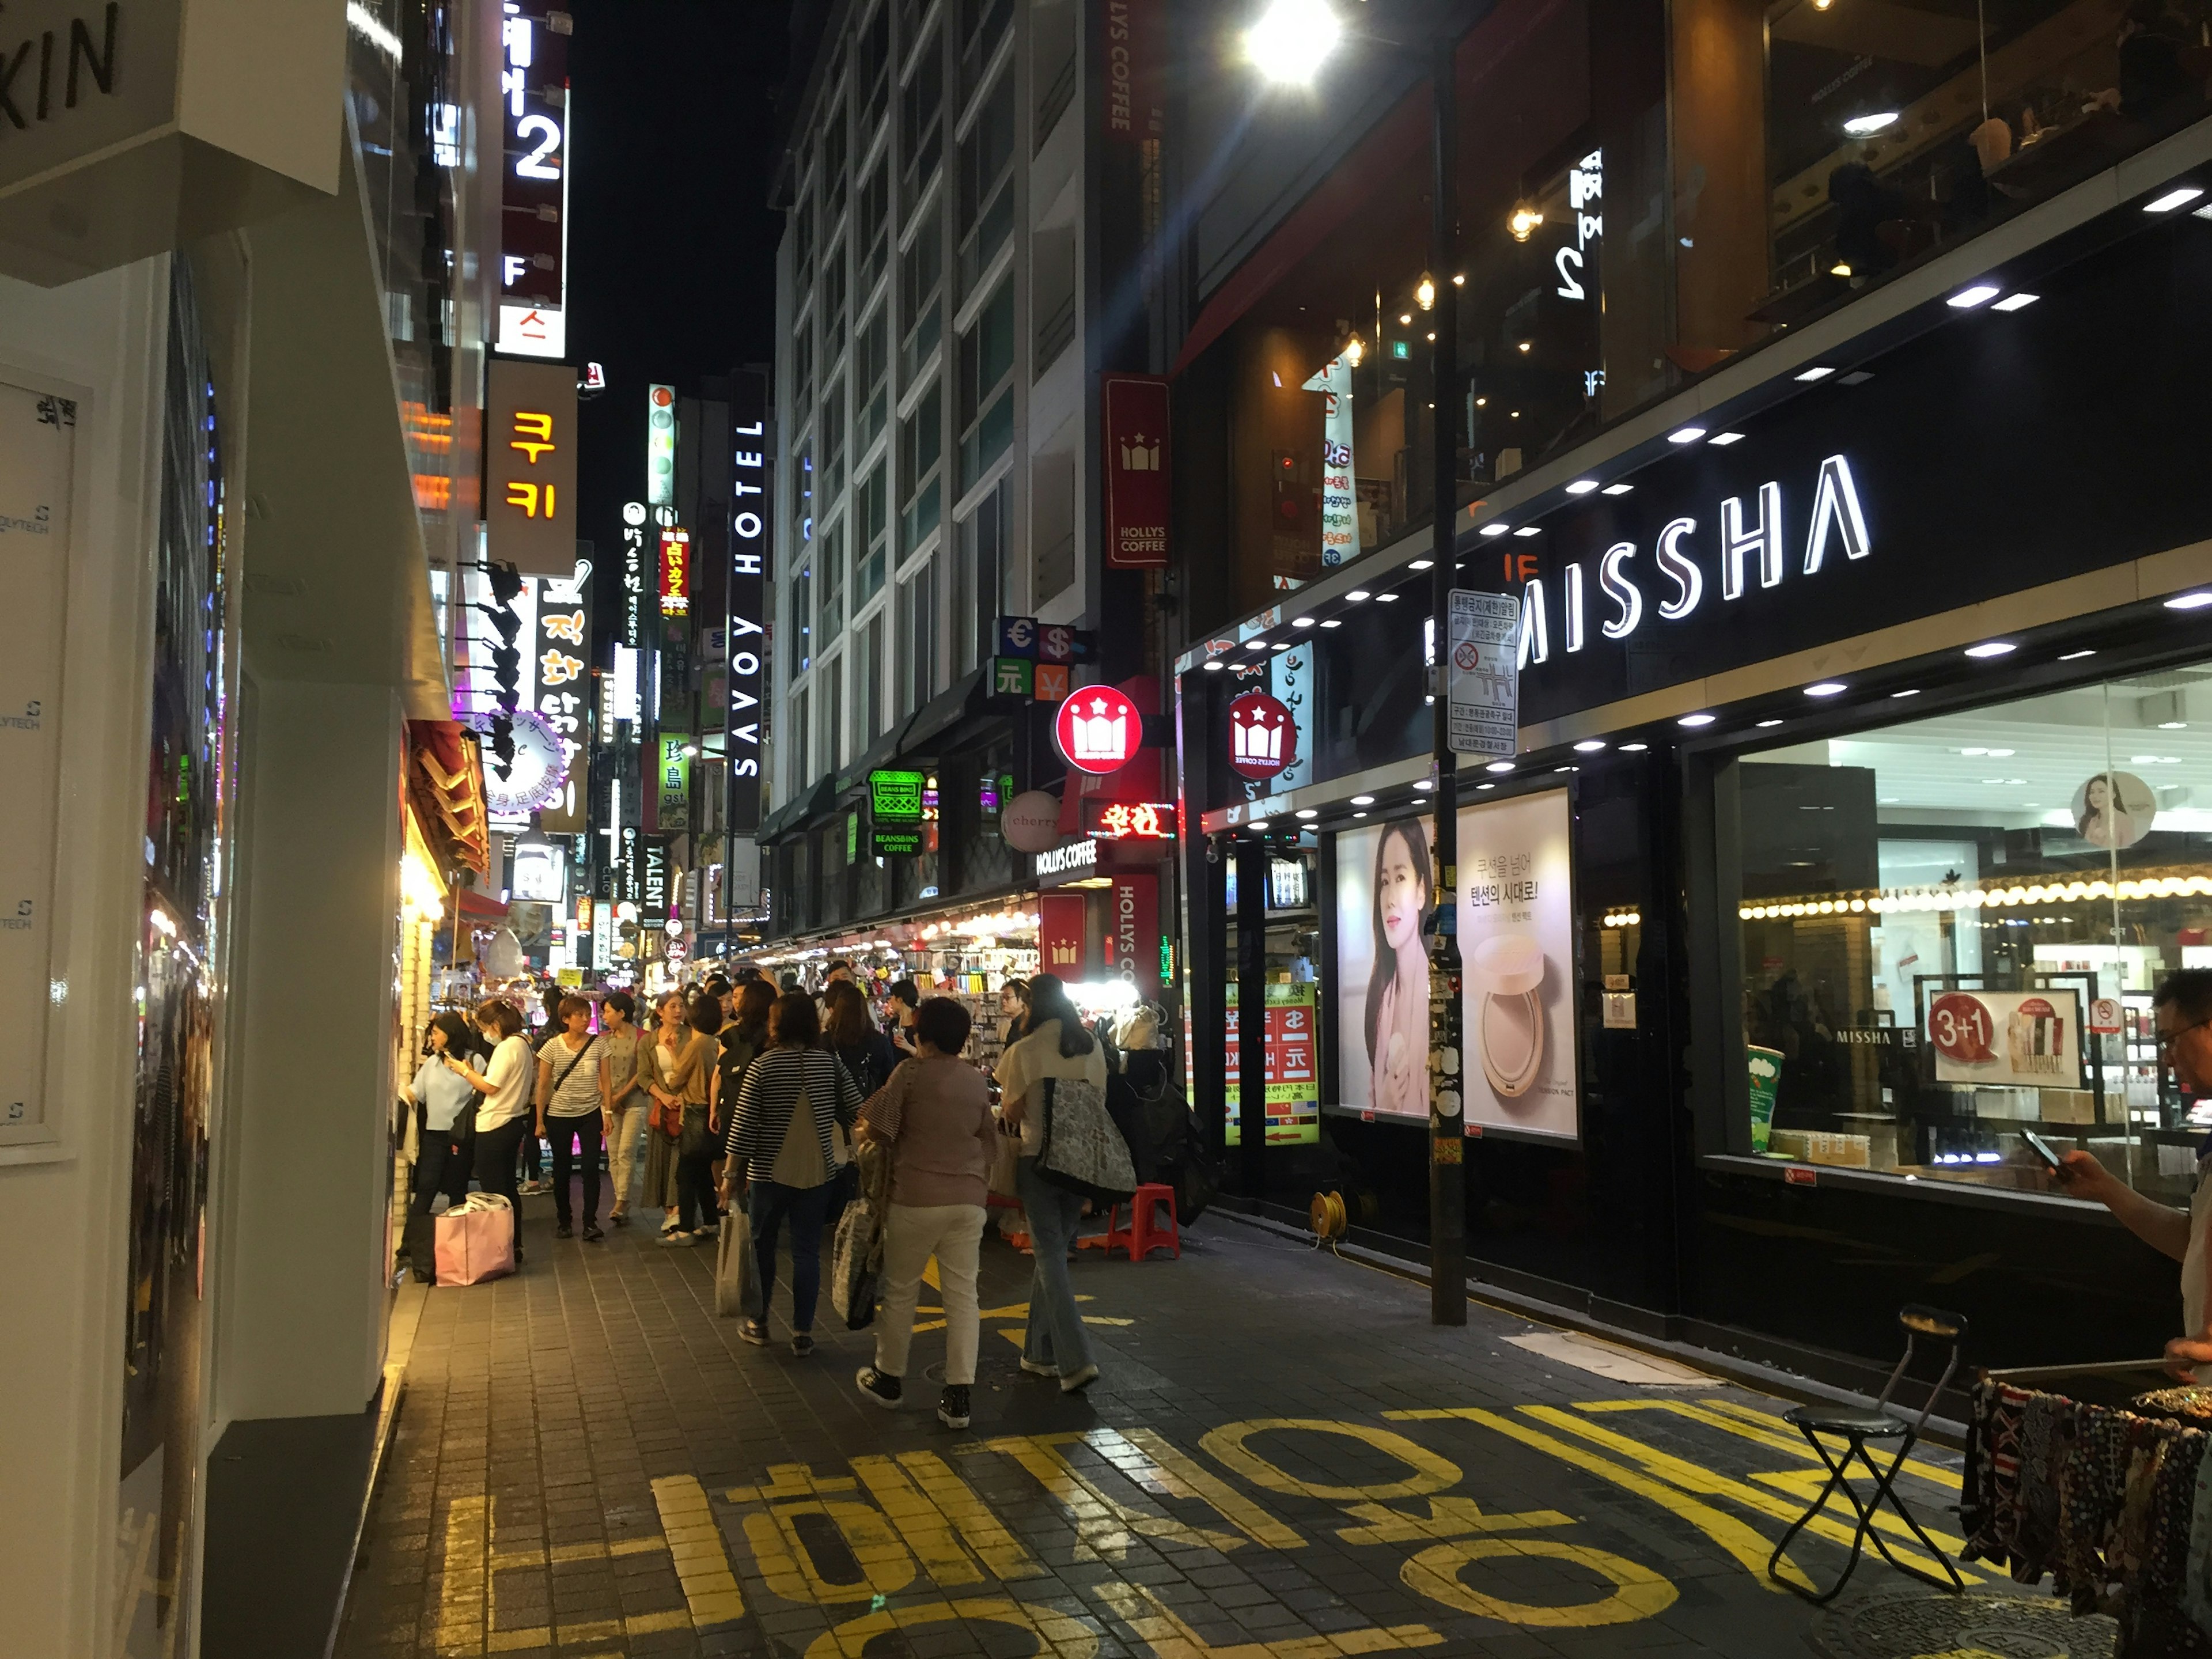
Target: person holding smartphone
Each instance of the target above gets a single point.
(2183, 1011)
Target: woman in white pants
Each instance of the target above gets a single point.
(934, 1114)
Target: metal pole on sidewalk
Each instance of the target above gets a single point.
(1447, 1143)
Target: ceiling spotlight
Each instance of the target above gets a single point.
(2173, 199)
(1765, 725)
(1421, 564)
(1913, 692)
(1424, 291)
(1211, 665)
(1405, 317)
(1620, 489)
(1354, 349)
(1257, 823)
(1424, 785)
(1332, 622)
(1524, 221)
(2076, 656)
(1302, 622)
(1826, 689)
(1694, 721)
(1359, 815)
(1817, 372)
(1527, 530)
(1589, 746)
(1997, 648)
(1685, 435)
(1525, 345)
(2196, 601)
(1363, 800)
(1256, 645)
(1860, 125)
(1308, 812)
(1460, 280)
(1967, 298)
(1291, 39)
(1634, 748)
(1723, 440)
(1840, 269)
(2173, 726)
(2016, 302)
(1499, 766)
(1582, 486)
(1355, 596)
(1494, 527)
(1381, 598)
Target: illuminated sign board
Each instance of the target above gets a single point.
(895, 803)
(675, 798)
(660, 446)
(1098, 729)
(534, 180)
(633, 535)
(1263, 736)
(745, 639)
(1129, 820)
(675, 572)
(1071, 859)
(562, 674)
(530, 468)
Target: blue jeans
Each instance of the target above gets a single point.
(1055, 1335)
(767, 1206)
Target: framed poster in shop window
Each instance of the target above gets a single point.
(1516, 940)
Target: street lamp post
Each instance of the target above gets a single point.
(1288, 43)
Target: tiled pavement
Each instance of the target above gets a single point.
(1282, 1460)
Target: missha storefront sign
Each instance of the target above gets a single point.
(1954, 467)
(129, 127)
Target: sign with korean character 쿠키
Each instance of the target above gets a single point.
(530, 467)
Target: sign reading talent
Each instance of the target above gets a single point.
(530, 467)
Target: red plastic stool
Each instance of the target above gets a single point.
(1143, 1236)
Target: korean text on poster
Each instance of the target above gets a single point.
(1293, 1075)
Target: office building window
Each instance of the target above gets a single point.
(921, 480)
(987, 386)
(918, 627)
(871, 538)
(921, 121)
(977, 575)
(921, 290)
(986, 183)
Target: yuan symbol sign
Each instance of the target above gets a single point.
(1098, 729)
(1263, 737)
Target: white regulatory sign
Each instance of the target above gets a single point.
(1482, 673)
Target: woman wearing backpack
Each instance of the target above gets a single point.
(1059, 1048)
(781, 1160)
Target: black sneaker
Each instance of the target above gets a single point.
(564, 1230)
(952, 1406)
(753, 1331)
(884, 1390)
(802, 1344)
(591, 1233)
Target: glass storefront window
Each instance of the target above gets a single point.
(1934, 916)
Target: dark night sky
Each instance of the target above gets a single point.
(671, 247)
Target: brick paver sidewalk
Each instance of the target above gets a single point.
(1282, 1460)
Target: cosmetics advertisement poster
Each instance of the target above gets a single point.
(1516, 947)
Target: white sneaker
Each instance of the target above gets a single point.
(678, 1239)
(708, 1231)
(1036, 1370)
(1076, 1382)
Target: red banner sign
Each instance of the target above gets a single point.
(1060, 933)
(1137, 505)
(1129, 820)
(1132, 929)
(1098, 729)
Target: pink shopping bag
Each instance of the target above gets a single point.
(476, 1240)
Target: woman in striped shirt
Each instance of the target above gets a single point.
(785, 1155)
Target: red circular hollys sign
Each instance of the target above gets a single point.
(1098, 730)
(1263, 737)
(1960, 1026)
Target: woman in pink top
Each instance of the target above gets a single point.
(934, 1114)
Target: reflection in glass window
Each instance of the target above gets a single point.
(1929, 911)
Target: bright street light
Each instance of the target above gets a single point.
(1291, 39)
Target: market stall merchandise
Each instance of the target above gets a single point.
(2104, 1488)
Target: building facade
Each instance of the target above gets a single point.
(242, 357)
(1853, 818)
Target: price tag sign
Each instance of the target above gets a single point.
(1960, 1026)
(2011, 1039)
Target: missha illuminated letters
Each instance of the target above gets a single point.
(1753, 544)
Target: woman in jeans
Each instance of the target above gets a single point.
(782, 1158)
(1057, 1047)
(568, 1105)
(934, 1114)
(504, 1117)
(659, 1051)
(684, 1070)
(623, 1098)
(743, 1039)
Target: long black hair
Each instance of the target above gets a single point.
(1048, 1000)
(1385, 956)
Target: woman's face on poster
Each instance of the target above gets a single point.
(1398, 892)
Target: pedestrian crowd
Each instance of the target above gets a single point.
(757, 1102)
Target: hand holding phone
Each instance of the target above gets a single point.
(2041, 1148)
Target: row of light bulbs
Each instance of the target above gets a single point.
(1975, 898)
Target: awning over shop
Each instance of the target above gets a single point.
(445, 788)
(479, 907)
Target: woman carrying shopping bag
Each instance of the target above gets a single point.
(781, 1160)
(1057, 1050)
(504, 1117)
(934, 1115)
